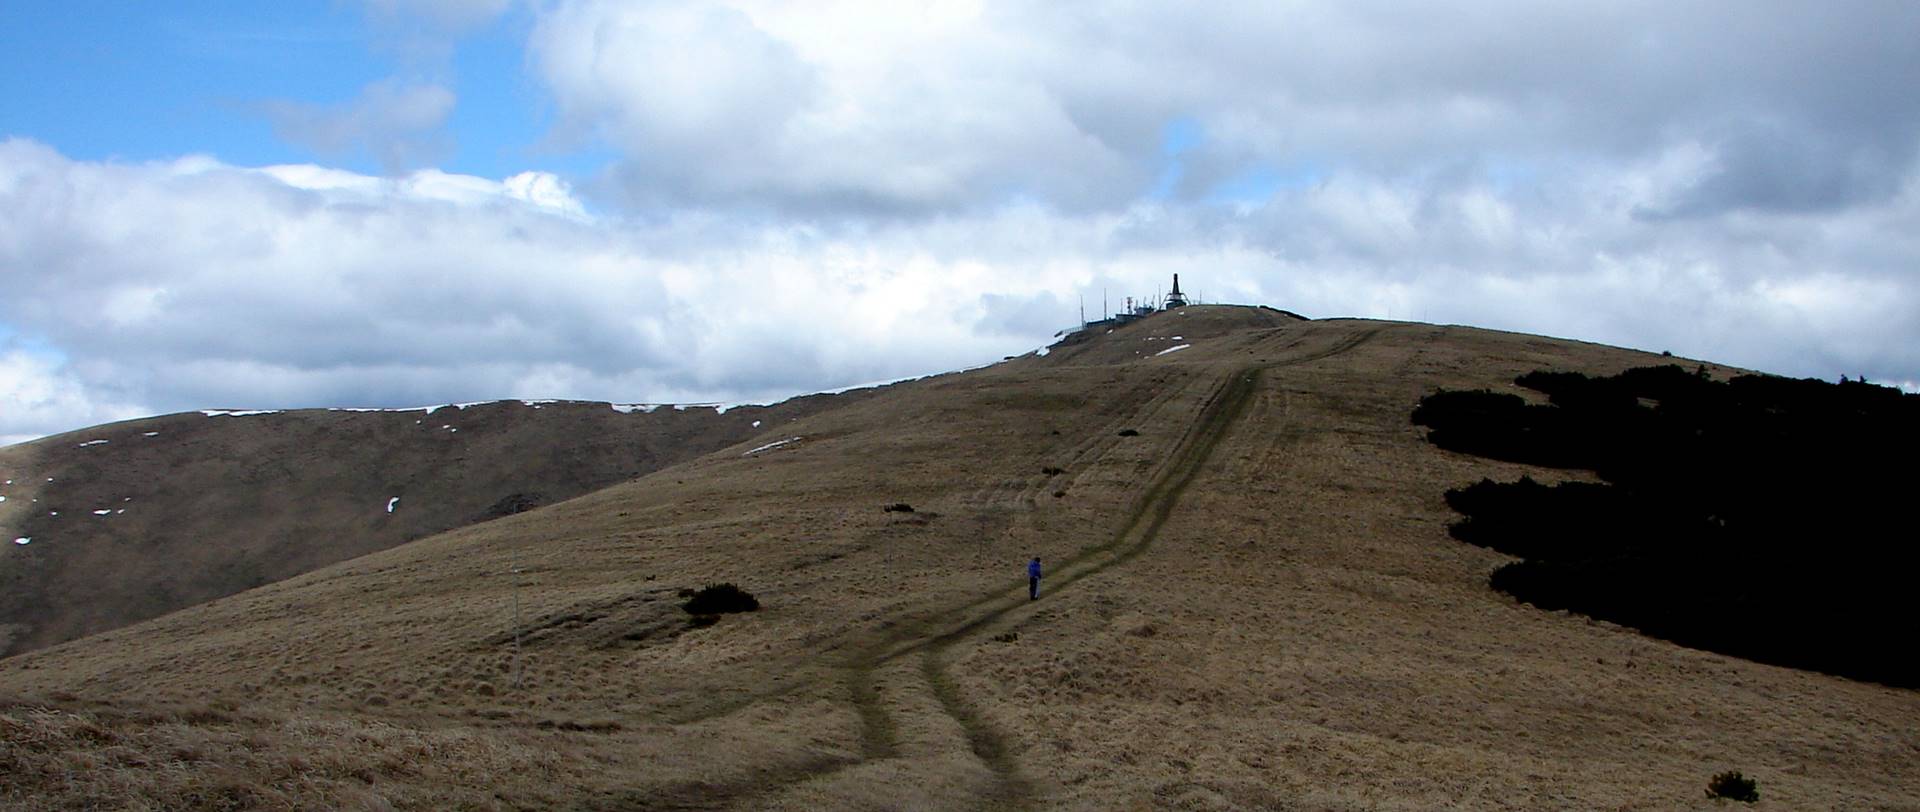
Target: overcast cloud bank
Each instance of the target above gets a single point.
(808, 198)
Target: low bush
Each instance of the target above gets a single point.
(1756, 517)
(1733, 786)
(721, 599)
(898, 507)
(1129, 433)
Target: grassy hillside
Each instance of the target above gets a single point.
(1251, 602)
(136, 519)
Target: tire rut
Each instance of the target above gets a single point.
(1222, 409)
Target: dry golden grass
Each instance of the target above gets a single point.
(194, 508)
(1252, 604)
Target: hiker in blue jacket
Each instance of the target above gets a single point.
(1033, 579)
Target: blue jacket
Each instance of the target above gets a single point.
(1033, 569)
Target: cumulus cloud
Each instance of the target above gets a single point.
(831, 108)
(398, 123)
(193, 284)
(43, 396)
(908, 108)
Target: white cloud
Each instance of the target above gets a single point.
(193, 284)
(833, 107)
(40, 396)
(854, 106)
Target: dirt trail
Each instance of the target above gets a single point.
(1224, 407)
(931, 640)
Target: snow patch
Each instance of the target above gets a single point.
(93, 442)
(630, 408)
(1175, 348)
(431, 409)
(23, 541)
(770, 446)
(238, 412)
(756, 424)
(150, 434)
(393, 503)
(103, 511)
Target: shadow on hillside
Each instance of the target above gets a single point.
(1760, 517)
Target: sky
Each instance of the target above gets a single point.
(392, 203)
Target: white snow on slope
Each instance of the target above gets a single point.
(23, 540)
(238, 412)
(103, 511)
(393, 503)
(630, 408)
(150, 434)
(93, 442)
(462, 406)
(770, 446)
(1175, 348)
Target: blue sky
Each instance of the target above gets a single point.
(148, 81)
(401, 202)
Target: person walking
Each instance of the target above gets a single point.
(1033, 579)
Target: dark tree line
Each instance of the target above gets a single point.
(1762, 517)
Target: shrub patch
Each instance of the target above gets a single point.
(1733, 786)
(1758, 517)
(721, 599)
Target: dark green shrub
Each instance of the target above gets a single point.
(721, 599)
(1758, 517)
(1733, 786)
(898, 507)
